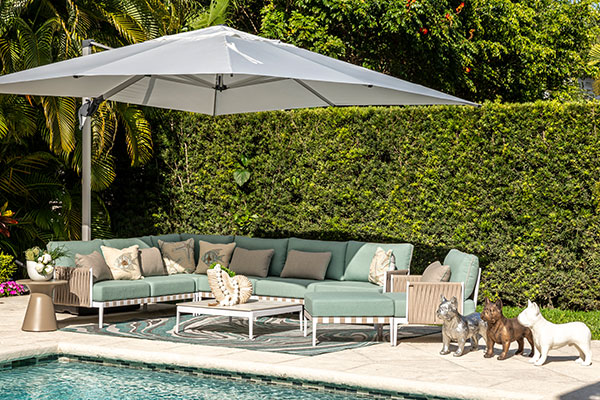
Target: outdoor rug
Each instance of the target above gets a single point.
(280, 334)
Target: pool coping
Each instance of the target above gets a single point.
(386, 386)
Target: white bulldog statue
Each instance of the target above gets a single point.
(548, 336)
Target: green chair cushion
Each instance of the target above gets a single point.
(74, 247)
(282, 287)
(343, 286)
(279, 245)
(170, 284)
(171, 237)
(214, 239)
(337, 249)
(464, 268)
(124, 243)
(348, 304)
(147, 240)
(468, 307)
(120, 290)
(360, 254)
(399, 303)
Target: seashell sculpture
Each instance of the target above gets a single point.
(228, 291)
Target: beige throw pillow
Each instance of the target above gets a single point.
(306, 265)
(382, 261)
(436, 272)
(96, 262)
(251, 262)
(151, 262)
(178, 256)
(210, 253)
(124, 264)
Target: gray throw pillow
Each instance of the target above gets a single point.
(151, 262)
(436, 272)
(96, 261)
(251, 262)
(306, 265)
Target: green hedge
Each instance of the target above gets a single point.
(518, 185)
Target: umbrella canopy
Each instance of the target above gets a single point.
(219, 70)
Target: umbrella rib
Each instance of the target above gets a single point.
(313, 91)
(255, 80)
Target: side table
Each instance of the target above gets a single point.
(40, 316)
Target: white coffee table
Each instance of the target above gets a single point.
(250, 310)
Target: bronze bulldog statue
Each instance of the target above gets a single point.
(503, 330)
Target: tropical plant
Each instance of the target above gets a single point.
(594, 61)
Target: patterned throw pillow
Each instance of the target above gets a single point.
(124, 264)
(382, 261)
(210, 253)
(178, 256)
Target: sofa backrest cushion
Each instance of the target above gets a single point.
(280, 246)
(251, 262)
(306, 265)
(360, 254)
(464, 268)
(171, 237)
(214, 239)
(337, 249)
(74, 247)
(124, 243)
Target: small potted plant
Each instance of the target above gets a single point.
(40, 263)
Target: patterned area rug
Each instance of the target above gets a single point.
(279, 334)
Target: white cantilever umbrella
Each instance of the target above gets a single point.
(215, 71)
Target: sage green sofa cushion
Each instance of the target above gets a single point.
(360, 254)
(279, 245)
(170, 284)
(399, 300)
(464, 268)
(171, 237)
(343, 286)
(120, 290)
(124, 243)
(282, 287)
(348, 304)
(201, 282)
(468, 307)
(337, 250)
(214, 239)
(73, 247)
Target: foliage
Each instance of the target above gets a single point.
(6, 219)
(7, 267)
(515, 184)
(221, 267)
(476, 49)
(557, 316)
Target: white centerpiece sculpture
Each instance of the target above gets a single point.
(228, 288)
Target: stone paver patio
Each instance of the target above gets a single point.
(414, 366)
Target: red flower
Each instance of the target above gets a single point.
(424, 31)
(460, 7)
(448, 17)
(467, 70)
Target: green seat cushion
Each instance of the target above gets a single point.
(282, 287)
(343, 286)
(468, 307)
(337, 250)
(279, 245)
(171, 237)
(124, 243)
(399, 303)
(170, 284)
(214, 239)
(348, 304)
(360, 254)
(464, 268)
(120, 290)
(74, 247)
(201, 281)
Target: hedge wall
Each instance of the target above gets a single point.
(518, 185)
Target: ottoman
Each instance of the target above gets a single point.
(357, 307)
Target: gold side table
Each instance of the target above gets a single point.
(40, 316)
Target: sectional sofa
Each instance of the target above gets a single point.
(346, 273)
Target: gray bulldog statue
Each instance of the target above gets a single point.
(458, 329)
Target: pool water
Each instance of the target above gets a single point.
(73, 380)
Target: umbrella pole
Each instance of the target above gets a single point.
(86, 165)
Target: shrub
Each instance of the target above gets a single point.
(518, 185)
(7, 267)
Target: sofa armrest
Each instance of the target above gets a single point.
(423, 300)
(398, 282)
(387, 285)
(78, 291)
